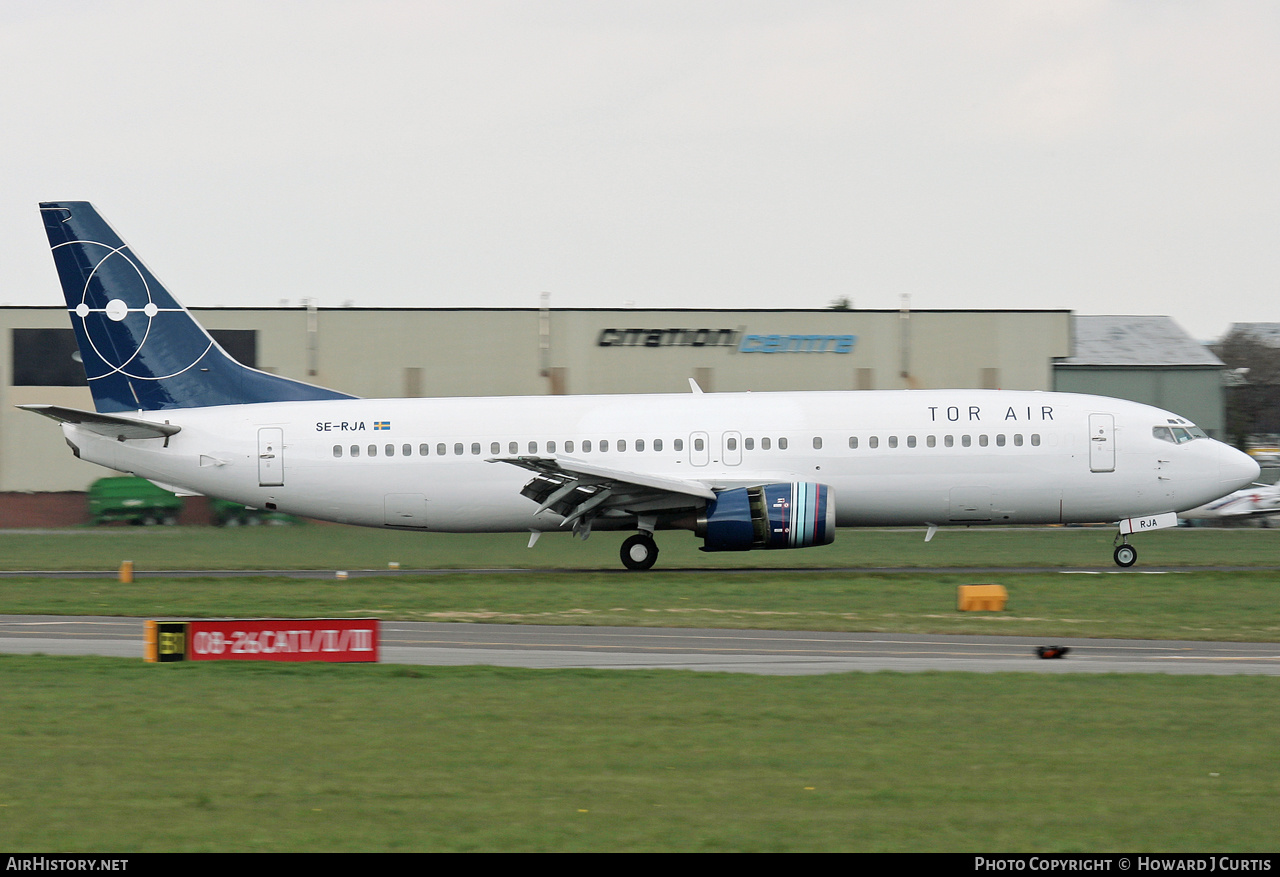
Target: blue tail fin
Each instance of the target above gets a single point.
(142, 351)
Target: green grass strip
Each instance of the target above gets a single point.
(110, 755)
(321, 546)
(1182, 606)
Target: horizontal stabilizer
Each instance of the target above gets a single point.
(110, 425)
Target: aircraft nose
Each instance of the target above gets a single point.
(1236, 469)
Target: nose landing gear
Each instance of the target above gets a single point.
(1125, 555)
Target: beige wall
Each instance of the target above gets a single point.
(944, 349)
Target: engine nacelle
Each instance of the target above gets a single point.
(794, 515)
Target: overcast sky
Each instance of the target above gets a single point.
(1107, 157)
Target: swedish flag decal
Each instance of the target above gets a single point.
(382, 424)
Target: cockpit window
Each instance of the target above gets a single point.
(1178, 435)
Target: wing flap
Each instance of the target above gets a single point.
(570, 466)
(579, 491)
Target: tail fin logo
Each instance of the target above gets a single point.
(141, 349)
(133, 306)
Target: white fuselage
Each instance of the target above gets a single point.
(940, 457)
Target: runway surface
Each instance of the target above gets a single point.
(734, 651)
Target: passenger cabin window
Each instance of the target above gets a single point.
(678, 444)
(764, 444)
(457, 449)
(893, 441)
(853, 442)
(389, 450)
(586, 446)
(698, 444)
(407, 450)
(966, 440)
(782, 444)
(639, 444)
(337, 450)
(475, 447)
(495, 448)
(982, 440)
(568, 447)
(424, 450)
(533, 447)
(873, 442)
(373, 450)
(657, 444)
(911, 441)
(622, 445)
(949, 441)
(441, 449)
(355, 450)
(731, 443)
(604, 446)
(931, 441)
(551, 447)
(817, 442)
(513, 448)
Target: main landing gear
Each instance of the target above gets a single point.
(639, 551)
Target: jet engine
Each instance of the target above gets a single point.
(794, 515)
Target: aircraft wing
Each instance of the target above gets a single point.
(579, 491)
(110, 425)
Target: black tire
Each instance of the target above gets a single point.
(639, 552)
(1126, 555)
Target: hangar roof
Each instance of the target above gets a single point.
(1135, 341)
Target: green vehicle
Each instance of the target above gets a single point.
(233, 514)
(132, 499)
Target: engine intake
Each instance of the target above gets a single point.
(794, 515)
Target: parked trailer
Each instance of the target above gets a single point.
(132, 499)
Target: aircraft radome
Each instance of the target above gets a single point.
(741, 470)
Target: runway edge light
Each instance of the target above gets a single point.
(981, 598)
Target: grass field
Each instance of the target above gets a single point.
(331, 546)
(577, 583)
(112, 755)
(1188, 606)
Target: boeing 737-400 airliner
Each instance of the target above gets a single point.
(741, 470)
